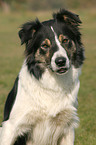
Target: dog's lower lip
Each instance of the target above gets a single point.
(62, 70)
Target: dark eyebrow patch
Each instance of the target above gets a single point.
(70, 44)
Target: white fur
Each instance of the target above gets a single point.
(60, 53)
(38, 102)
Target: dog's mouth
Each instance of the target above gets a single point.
(62, 70)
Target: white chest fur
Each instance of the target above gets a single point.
(48, 104)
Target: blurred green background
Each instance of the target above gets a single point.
(15, 12)
(45, 4)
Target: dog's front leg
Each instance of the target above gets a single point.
(69, 139)
(8, 134)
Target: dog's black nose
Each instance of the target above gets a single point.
(60, 61)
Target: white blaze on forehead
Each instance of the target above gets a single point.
(60, 52)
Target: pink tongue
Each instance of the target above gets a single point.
(62, 70)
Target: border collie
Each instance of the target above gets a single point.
(41, 108)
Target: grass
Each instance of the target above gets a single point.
(11, 58)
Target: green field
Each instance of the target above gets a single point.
(11, 58)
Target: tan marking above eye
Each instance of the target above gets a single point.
(65, 17)
(46, 43)
(63, 39)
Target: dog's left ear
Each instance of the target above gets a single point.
(67, 17)
(28, 30)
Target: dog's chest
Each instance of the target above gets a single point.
(48, 131)
(50, 111)
(51, 116)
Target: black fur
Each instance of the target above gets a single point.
(21, 140)
(28, 30)
(34, 68)
(10, 100)
(70, 17)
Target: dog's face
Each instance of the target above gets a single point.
(53, 44)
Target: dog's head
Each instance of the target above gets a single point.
(54, 44)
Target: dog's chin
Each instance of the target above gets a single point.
(62, 71)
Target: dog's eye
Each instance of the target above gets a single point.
(65, 41)
(45, 46)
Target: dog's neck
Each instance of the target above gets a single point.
(50, 80)
(56, 82)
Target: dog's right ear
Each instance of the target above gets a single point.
(28, 30)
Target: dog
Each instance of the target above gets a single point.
(41, 108)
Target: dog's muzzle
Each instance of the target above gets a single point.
(60, 65)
